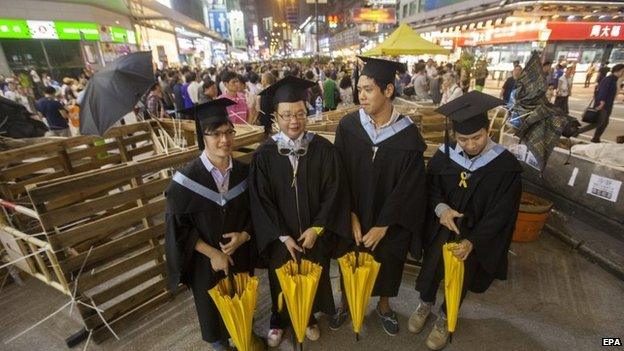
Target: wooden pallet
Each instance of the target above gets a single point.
(67, 156)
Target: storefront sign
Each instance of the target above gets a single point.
(17, 29)
(382, 15)
(612, 31)
(42, 30)
(119, 35)
(27, 29)
(73, 30)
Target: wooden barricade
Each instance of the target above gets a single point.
(109, 226)
(51, 160)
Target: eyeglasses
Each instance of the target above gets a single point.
(289, 116)
(228, 134)
(286, 151)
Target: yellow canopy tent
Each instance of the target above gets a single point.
(405, 41)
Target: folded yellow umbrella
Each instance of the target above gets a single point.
(299, 282)
(359, 272)
(453, 283)
(236, 301)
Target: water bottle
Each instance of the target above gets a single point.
(319, 108)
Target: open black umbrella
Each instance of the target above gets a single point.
(114, 91)
(15, 121)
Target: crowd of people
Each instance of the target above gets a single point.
(53, 102)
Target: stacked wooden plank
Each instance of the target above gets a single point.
(106, 229)
(65, 156)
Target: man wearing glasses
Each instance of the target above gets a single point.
(208, 223)
(297, 203)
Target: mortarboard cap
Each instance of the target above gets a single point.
(380, 70)
(469, 111)
(210, 112)
(288, 89)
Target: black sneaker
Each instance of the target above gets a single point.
(389, 322)
(337, 320)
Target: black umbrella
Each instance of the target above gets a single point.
(114, 91)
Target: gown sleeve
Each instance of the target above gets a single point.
(492, 234)
(334, 208)
(406, 204)
(180, 240)
(264, 212)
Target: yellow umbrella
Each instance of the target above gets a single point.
(299, 283)
(236, 304)
(359, 272)
(453, 283)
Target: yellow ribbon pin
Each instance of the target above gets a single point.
(462, 181)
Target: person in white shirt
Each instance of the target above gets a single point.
(450, 88)
(193, 89)
(564, 90)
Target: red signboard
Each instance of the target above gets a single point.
(612, 31)
(384, 16)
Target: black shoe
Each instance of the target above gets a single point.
(337, 320)
(389, 322)
(594, 140)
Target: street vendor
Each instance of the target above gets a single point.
(382, 155)
(208, 222)
(296, 201)
(474, 190)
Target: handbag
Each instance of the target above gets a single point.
(591, 114)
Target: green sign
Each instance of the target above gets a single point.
(72, 30)
(14, 29)
(119, 35)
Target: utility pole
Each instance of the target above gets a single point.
(316, 26)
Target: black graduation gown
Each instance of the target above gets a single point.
(190, 217)
(274, 210)
(490, 205)
(388, 190)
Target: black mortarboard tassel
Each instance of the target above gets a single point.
(210, 112)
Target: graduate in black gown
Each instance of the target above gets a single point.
(382, 156)
(474, 195)
(296, 201)
(208, 219)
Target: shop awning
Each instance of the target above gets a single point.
(405, 41)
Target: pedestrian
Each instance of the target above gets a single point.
(238, 112)
(346, 92)
(431, 69)
(188, 79)
(564, 90)
(604, 97)
(194, 87)
(297, 202)
(510, 84)
(480, 74)
(435, 87)
(590, 74)
(176, 84)
(266, 104)
(155, 103)
(208, 91)
(602, 72)
(450, 88)
(330, 92)
(54, 113)
(419, 82)
(474, 196)
(205, 238)
(382, 155)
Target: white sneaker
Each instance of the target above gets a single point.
(418, 319)
(313, 332)
(274, 338)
